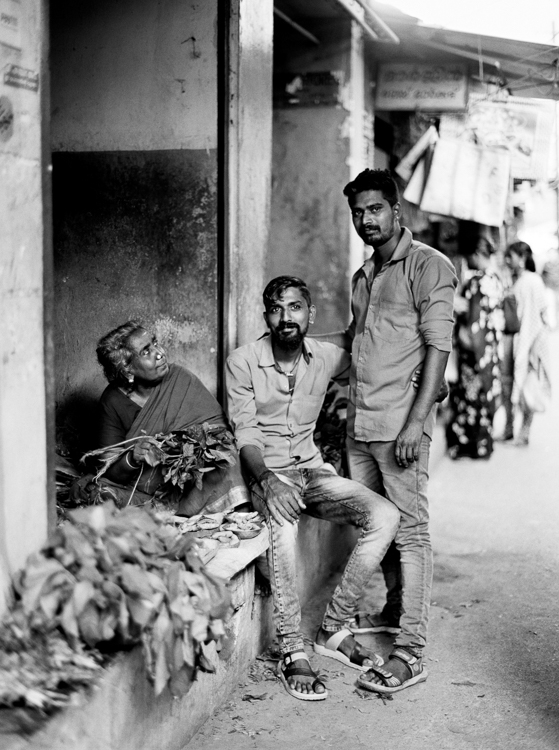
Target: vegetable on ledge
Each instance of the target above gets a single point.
(108, 580)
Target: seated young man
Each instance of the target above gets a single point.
(275, 389)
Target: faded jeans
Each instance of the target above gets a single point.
(332, 498)
(374, 464)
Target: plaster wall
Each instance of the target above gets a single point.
(309, 228)
(134, 75)
(134, 131)
(314, 150)
(23, 430)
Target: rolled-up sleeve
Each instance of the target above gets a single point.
(241, 404)
(433, 290)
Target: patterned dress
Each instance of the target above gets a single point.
(473, 397)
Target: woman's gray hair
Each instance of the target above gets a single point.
(113, 352)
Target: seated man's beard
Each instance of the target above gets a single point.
(292, 342)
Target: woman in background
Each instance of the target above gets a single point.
(530, 350)
(479, 322)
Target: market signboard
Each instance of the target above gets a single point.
(433, 88)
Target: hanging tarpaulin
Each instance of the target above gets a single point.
(524, 126)
(468, 182)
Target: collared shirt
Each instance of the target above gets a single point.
(406, 307)
(265, 413)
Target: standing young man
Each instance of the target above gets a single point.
(402, 303)
(275, 390)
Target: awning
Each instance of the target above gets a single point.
(376, 28)
(524, 69)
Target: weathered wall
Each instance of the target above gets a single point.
(134, 130)
(134, 234)
(314, 150)
(23, 226)
(309, 232)
(134, 75)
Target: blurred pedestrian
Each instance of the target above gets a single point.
(529, 352)
(477, 332)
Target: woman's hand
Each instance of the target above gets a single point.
(147, 451)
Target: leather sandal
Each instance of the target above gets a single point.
(355, 659)
(418, 673)
(286, 670)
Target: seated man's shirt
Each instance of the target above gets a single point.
(266, 414)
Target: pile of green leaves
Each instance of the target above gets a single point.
(108, 580)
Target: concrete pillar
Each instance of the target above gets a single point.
(24, 238)
(248, 169)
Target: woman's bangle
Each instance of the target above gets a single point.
(129, 462)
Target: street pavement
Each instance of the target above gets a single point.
(494, 627)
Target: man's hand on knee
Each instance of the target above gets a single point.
(283, 503)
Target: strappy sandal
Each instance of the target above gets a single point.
(355, 659)
(361, 622)
(286, 669)
(418, 673)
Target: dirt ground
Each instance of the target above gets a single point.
(494, 627)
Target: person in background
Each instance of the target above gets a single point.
(550, 277)
(477, 333)
(529, 348)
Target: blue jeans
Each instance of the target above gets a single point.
(343, 501)
(374, 464)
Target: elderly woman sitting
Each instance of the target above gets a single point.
(148, 396)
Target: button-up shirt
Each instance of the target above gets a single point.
(405, 307)
(266, 413)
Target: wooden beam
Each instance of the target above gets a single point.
(296, 26)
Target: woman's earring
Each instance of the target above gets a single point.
(130, 379)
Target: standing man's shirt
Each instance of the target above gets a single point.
(265, 413)
(407, 306)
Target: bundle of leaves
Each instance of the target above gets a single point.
(108, 580)
(183, 455)
(189, 454)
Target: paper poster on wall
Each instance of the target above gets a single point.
(10, 23)
(468, 182)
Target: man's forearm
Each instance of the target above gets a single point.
(432, 376)
(253, 462)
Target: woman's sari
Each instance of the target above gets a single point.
(178, 402)
(469, 431)
(531, 343)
